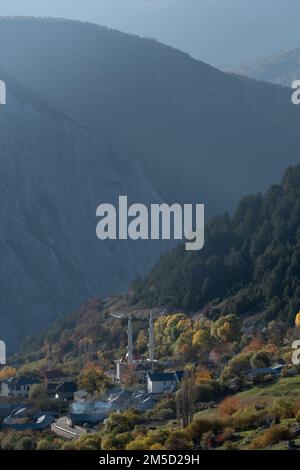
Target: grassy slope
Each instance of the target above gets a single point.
(285, 387)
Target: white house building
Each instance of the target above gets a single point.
(164, 381)
(17, 386)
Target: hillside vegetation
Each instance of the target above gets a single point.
(251, 260)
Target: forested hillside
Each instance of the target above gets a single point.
(251, 259)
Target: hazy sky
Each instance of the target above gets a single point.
(217, 31)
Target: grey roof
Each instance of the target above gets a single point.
(55, 374)
(69, 386)
(21, 380)
(266, 370)
(147, 404)
(92, 418)
(166, 376)
(125, 395)
(179, 374)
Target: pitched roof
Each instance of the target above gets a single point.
(179, 374)
(166, 376)
(21, 380)
(90, 418)
(54, 374)
(69, 386)
(162, 377)
(267, 370)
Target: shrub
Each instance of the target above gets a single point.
(88, 442)
(228, 434)
(249, 418)
(285, 408)
(298, 416)
(44, 444)
(230, 446)
(229, 406)
(140, 443)
(26, 443)
(197, 428)
(164, 414)
(273, 435)
(178, 440)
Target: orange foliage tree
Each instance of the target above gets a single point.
(7, 372)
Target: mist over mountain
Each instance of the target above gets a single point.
(216, 31)
(54, 173)
(200, 134)
(281, 69)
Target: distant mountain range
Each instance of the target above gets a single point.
(200, 134)
(281, 69)
(53, 175)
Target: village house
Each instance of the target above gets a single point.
(24, 418)
(53, 378)
(162, 382)
(260, 373)
(54, 375)
(122, 401)
(147, 404)
(66, 390)
(19, 386)
(86, 419)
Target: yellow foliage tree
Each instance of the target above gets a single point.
(202, 376)
(7, 372)
(202, 340)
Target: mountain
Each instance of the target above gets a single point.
(215, 31)
(244, 279)
(249, 271)
(250, 262)
(200, 135)
(281, 69)
(54, 174)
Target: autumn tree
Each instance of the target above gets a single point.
(38, 395)
(92, 379)
(227, 329)
(202, 376)
(178, 440)
(260, 360)
(237, 367)
(185, 400)
(7, 372)
(202, 341)
(142, 342)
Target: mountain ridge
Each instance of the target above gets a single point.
(281, 69)
(53, 176)
(162, 108)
